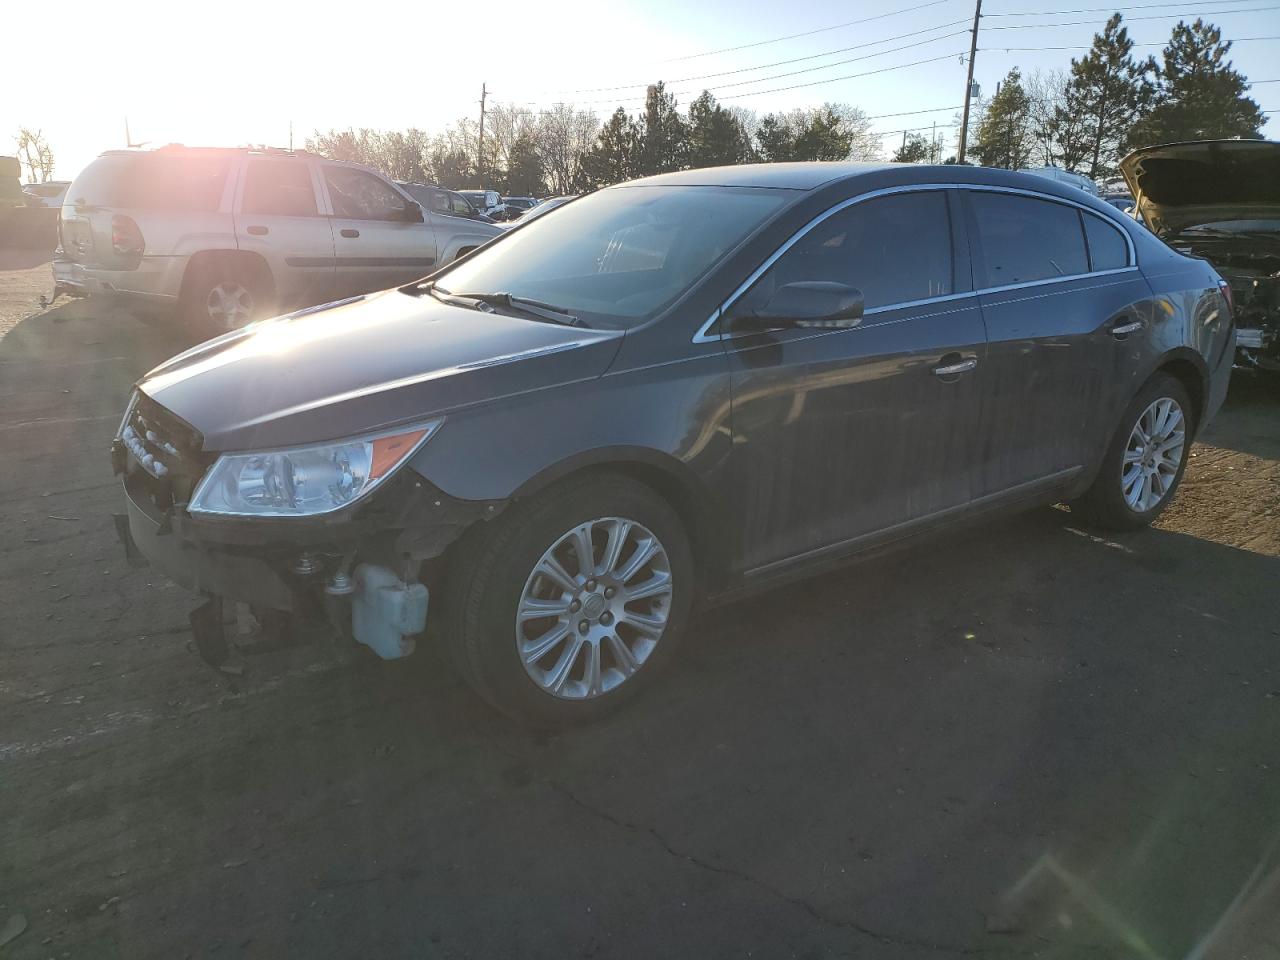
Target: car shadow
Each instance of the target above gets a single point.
(23, 258)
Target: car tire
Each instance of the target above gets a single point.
(1138, 480)
(502, 575)
(220, 295)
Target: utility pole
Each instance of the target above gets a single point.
(484, 93)
(968, 84)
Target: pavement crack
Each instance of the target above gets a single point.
(744, 877)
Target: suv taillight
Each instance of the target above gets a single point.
(126, 238)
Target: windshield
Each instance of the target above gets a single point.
(618, 257)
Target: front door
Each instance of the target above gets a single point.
(842, 435)
(278, 217)
(379, 238)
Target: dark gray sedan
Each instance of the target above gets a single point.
(672, 392)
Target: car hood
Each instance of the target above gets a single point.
(365, 364)
(1181, 185)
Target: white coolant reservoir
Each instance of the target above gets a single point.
(385, 611)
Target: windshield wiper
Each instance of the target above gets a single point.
(534, 308)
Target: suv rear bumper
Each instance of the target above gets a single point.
(157, 280)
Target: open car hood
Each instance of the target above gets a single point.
(1181, 185)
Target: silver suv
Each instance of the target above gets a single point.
(230, 235)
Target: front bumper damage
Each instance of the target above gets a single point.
(365, 571)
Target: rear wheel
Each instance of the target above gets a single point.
(224, 295)
(1146, 459)
(571, 602)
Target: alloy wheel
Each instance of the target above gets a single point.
(230, 305)
(594, 608)
(1153, 455)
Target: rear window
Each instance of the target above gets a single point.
(1107, 247)
(153, 181)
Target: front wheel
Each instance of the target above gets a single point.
(1146, 459)
(572, 601)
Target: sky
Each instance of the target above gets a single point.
(239, 72)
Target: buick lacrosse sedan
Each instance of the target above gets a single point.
(671, 392)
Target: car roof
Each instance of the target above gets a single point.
(814, 175)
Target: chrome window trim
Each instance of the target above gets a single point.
(704, 336)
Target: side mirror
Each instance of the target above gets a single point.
(818, 304)
(413, 213)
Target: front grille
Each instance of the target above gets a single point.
(164, 448)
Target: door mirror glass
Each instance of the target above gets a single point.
(822, 304)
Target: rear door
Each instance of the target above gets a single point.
(846, 435)
(380, 237)
(1056, 326)
(278, 217)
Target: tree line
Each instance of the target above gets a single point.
(1083, 120)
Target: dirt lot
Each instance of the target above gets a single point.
(1026, 741)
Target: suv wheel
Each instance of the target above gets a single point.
(571, 602)
(1145, 462)
(222, 296)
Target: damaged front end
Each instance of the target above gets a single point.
(364, 569)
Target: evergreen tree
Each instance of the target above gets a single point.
(830, 132)
(523, 176)
(716, 137)
(914, 149)
(774, 141)
(1005, 136)
(616, 154)
(1200, 95)
(664, 141)
(1108, 91)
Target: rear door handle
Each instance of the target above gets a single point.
(1124, 326)
(257, 230)
(350, 232)
(955, 369)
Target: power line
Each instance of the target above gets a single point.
(806, 33)
(1143, 6)
(1089, 23)
(852, 76)
(1090, 46)
(783, 63)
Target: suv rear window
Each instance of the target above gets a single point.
(153, 181)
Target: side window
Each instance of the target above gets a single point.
(357, 195)
(1024, 239)
(895, 249)
(1107, 247)
(278, 188)
(440, 202)
(461, 207)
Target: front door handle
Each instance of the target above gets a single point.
(1125, 326)
(350, 233)
(257, 230)
(955, 369)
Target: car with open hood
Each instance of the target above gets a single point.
(667, 394)
(1220, 199)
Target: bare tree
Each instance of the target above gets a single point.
(1045, 89)
(36, 154)
(564, 137)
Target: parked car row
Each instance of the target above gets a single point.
(226, 236)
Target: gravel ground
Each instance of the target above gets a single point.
(1025, 741)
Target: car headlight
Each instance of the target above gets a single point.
(304, 481)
